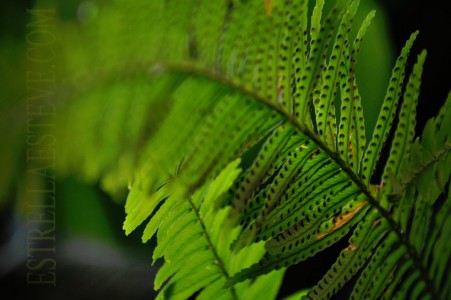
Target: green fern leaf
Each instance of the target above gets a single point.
(405, 130)
(324, 103)
(218, 81)
(387, 113)
(201, 257)
(351, 138)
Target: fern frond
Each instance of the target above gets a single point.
(194, 240)
(248, 79)
(382, 247)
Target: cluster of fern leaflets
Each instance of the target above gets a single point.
(238, 126)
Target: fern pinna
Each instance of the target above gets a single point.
(238, 126)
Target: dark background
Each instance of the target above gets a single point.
(433, 20)
(133, 280)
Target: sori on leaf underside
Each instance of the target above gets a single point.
(245, 150)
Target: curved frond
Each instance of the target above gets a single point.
(266, 83)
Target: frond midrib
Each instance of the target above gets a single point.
(218, 260)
